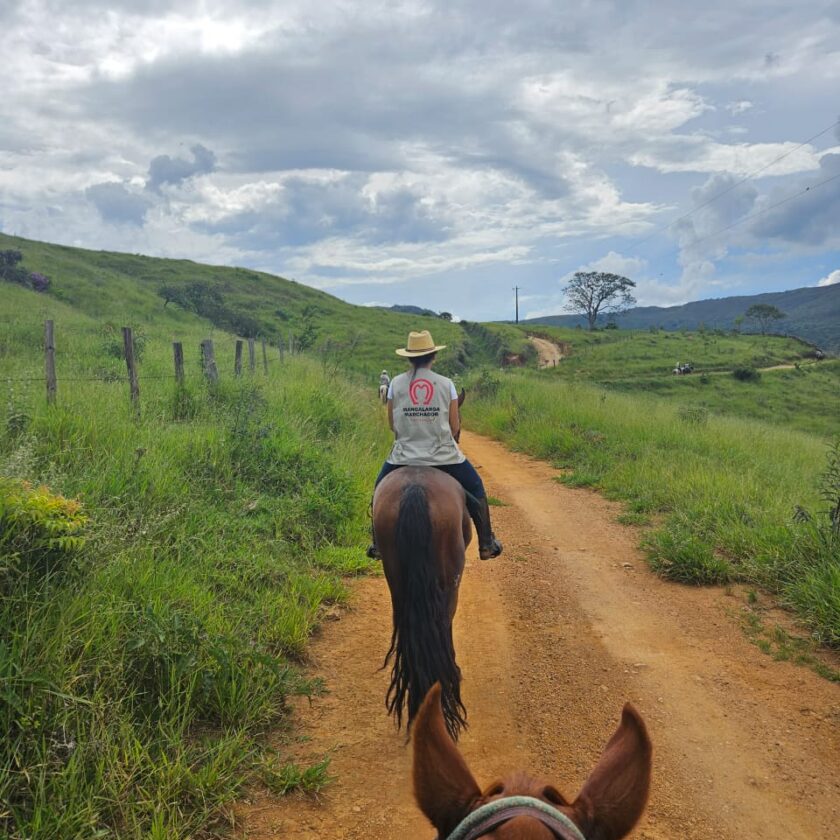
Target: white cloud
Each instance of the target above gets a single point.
(831, 278)
(739, 106)
(617, 264)
(358, 143)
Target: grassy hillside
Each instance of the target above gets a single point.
(126, 289)
(720, 493)
(804, 397)
(812, 313)
(159, 577)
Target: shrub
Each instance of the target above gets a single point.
(39, 282)
(746, 373)
(38, 530)
(487, 385)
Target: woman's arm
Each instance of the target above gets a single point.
(391, 415)
(454, 419)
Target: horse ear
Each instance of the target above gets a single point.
(461, 397)
(614, 796)
(444, 788)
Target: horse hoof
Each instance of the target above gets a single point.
(490, 551)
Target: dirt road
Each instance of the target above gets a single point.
(549, 352)
(552, 638)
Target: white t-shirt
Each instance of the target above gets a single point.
(420, 403)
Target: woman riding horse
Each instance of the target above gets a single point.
(423, 414)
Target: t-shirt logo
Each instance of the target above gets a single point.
(421, 392)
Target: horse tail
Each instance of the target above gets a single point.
(421, 643)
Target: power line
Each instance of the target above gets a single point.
(731, 187)
(740, 221)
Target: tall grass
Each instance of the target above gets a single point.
(138, 678)
(722, 491)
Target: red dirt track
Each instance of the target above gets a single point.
(552, 638)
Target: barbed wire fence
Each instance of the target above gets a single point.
(270, 353)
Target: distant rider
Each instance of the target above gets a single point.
(384, 384)
(423, 414)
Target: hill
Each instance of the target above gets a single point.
(813, 313)
(129, 288)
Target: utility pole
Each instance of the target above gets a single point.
(516, 289)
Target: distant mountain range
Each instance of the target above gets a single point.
(813, 313)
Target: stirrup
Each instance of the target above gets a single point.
(373, 552)
(488, 552)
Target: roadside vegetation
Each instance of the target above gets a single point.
(160, 577)
(727, 379)
(723, 496)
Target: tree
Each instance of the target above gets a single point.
(597, 292)
(765, 314)
(447, 316)
(10, 269)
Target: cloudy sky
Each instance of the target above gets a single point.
(430, 152)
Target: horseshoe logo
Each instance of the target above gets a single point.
(421, 392)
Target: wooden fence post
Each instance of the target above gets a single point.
(178, 355)
(133, 384)
(49, 360)
(237, 363)
(252, 356)
(208, 360)
(265, 358)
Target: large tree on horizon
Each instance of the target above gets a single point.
(592, 293)
(765, 314)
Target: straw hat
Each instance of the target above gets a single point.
(419, 344)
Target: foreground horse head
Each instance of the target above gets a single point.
(422, 530)
(608, 806)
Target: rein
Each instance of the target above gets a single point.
(496, 813)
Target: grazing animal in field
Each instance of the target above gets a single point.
(521, 808)
(422, 528)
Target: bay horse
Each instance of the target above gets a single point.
(520, 808)
(422, 531)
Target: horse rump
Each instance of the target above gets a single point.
(422, 651)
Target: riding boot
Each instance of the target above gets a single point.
(479, 510)
(372, 550)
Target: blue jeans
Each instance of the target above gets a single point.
(464, 473)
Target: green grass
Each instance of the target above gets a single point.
(281, 779)
(140, 676)
(807, 398)
(724, 489)
(607, 356)
(641, 362)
